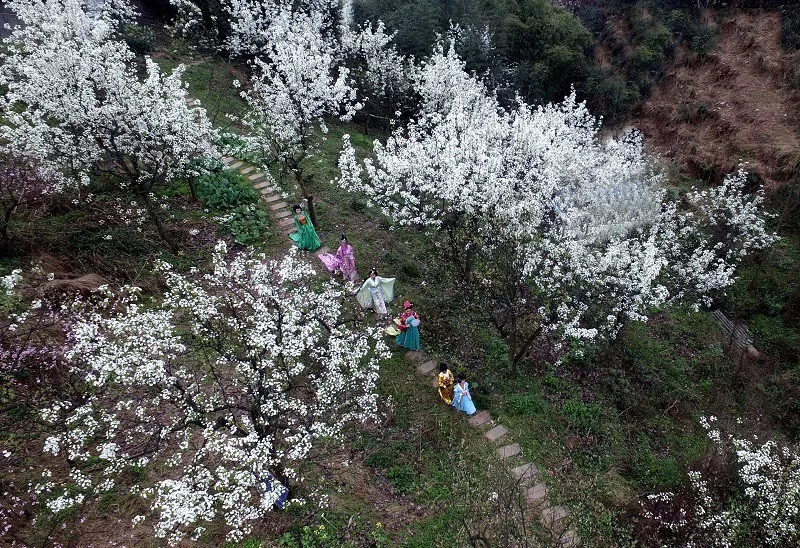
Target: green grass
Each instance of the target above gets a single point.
(210, 80)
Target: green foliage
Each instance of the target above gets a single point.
(790, 26)
(403, 478)
(310, 537)
(248, 224)
(608, 93)
(774, 336)
(140, 39)
(703, 40)
(583, 418)
(653, 472)
(382, 458)
(530, 404)
(545, 47)
(247, 543)
(225, 189)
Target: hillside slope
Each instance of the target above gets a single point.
(708, 113)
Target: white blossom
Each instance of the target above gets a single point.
(232, 381)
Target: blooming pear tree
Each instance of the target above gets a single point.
(382, 75)
(565, 233)
(74, 102)
(295, 86)
(760, 507)
(232, 381)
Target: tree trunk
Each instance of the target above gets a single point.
(512, 346)
(162, 232)
(5, 240)
(312, 212)
(192, 189)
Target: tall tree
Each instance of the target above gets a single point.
(74, 102)
(296, 84)
(232, 381)
(566, 233)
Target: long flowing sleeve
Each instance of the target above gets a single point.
(387, 287)
(363, 296)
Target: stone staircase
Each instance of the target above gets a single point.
(279, 211)
(555, 519)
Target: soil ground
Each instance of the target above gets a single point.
(710, 112)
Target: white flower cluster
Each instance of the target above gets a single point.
(233, 381)
(583, 218)
(764, 507)
(10, 281)
(75, 102)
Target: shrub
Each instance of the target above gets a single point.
(248, 224)
(608, 94)
(140, 39)
(703, 41)
(525, 404)
(775, 336)
(382, 458)
(402, 478)
(790, 27)
(584, 418)
(225, 189)
(646, 58)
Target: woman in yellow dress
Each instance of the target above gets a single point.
(446, 382)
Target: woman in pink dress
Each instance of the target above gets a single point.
(344, 261)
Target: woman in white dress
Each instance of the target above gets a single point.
(376, 292)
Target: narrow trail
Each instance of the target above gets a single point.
(280, 212)
(556, 520)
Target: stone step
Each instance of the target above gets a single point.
(435, 381)
(508, 451)
(286, 222)
(283, 214)
(480, 418)
(246, 170)
(525, 473)
(554, 516)
(537, 495)
(416, 355)
(569, 539)
(277, 206)
(270, 198)
(228, 159)
(256, 176)
(496, 433)
(265, 183)
(236, 165)
(427, 367)
(321, 250)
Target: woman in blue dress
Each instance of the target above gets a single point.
(408, 338)
(462, 399)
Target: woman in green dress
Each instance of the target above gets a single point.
(305, 237)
